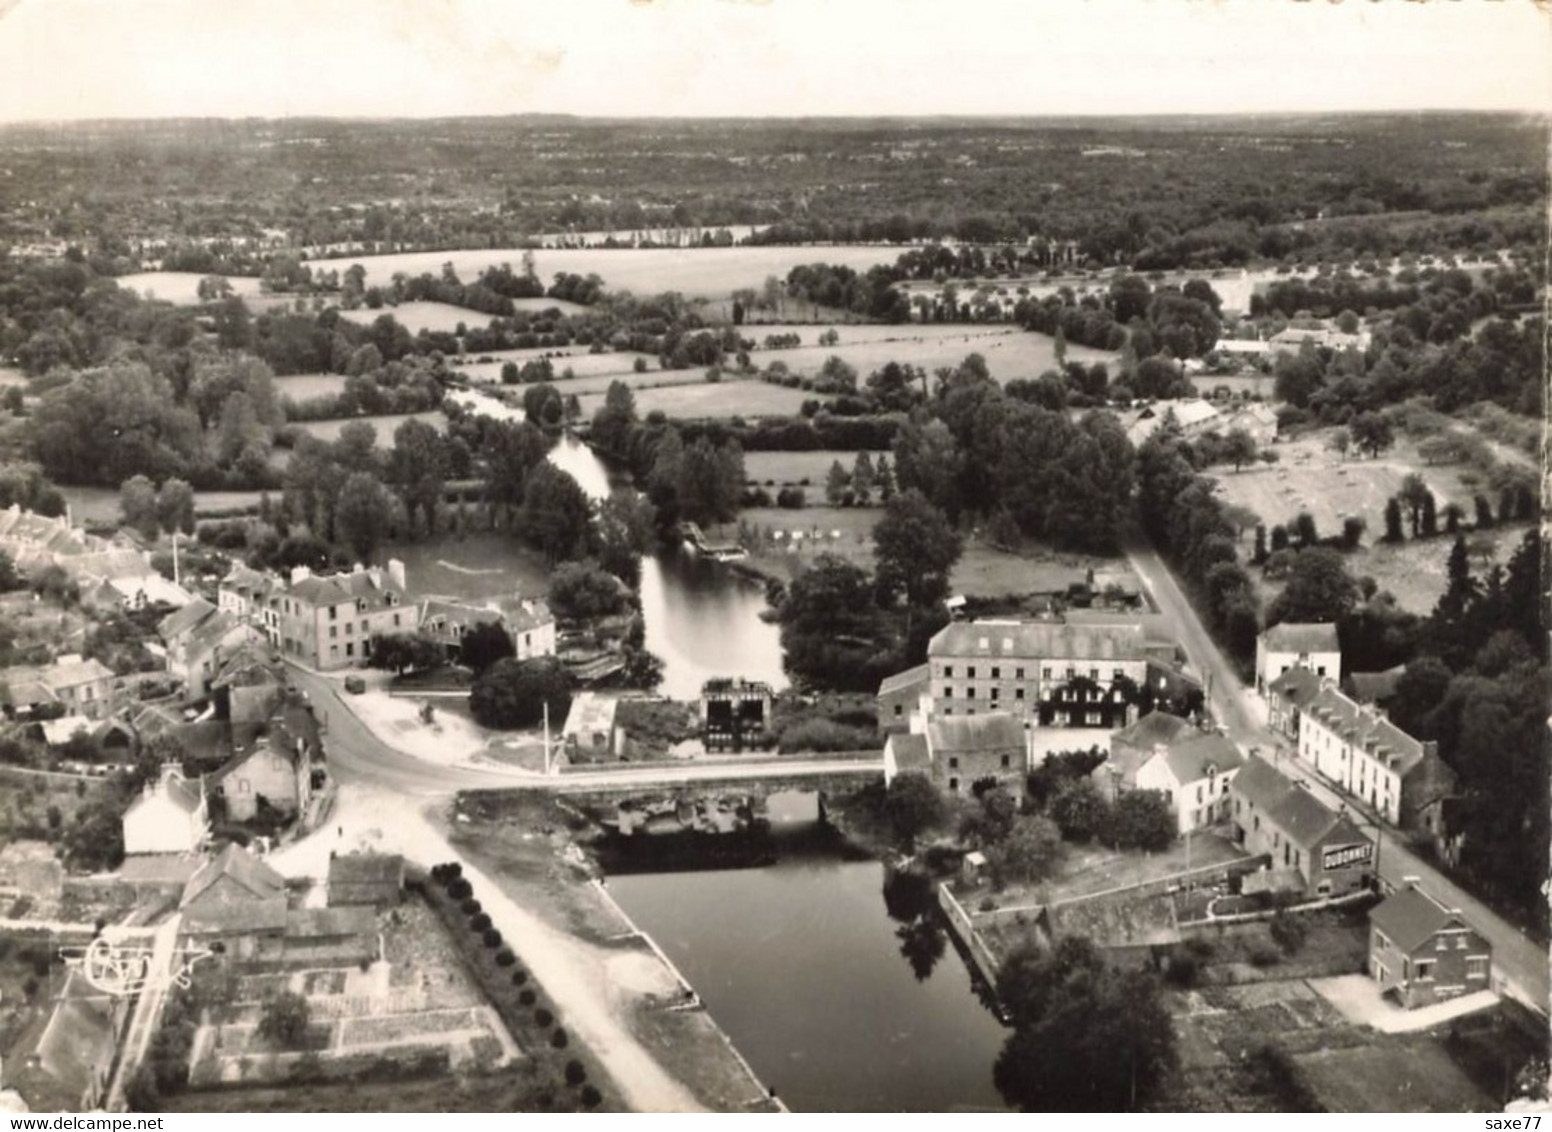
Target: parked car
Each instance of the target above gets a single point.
(355, 685)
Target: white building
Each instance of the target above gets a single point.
(170, 816)
(1313, 646)
(1194, 773)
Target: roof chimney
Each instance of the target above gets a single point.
(396, 573)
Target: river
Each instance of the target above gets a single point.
(702, 617)
(842, 995)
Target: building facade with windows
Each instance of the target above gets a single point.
(328, 621)
(1045, 673)
(1421, 952)
(1355, 747)
(1195, 773)
(1311, 848)
(1289, 645)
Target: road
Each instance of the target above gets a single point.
(1519, 961)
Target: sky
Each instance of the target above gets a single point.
(72, 59)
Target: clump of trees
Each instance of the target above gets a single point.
(514, 694)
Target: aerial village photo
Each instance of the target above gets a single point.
(803, 556)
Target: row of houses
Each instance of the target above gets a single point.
(113, 573)
(327, 621)
(1351, 744)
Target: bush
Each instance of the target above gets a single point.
(559, 1039)
(1289, 932)
(591, 1097)
(505, 958)
(479, 923)
(543, 1018)
(1264, 957)
(460, 889)
(471, 907)
(576, 1073)
(519, 977)
(527, 997)
(1184, 970)
(492, 938)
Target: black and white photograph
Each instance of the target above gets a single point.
(774, 556)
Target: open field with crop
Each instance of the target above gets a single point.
(182, 287)
(727, 398)
(847, 532)
(330, 430)
(1009, 352)
(301, 386)
(581, 363)
(807, 469)
(695, 272)
(1309, 476)
(101, 504)
(419, 316)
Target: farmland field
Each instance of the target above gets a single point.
(695, 272)
(101, 504)
(711, 399)
(419, 316)
(10, 375)
(330, 430)
(580, 362)
(565, 306)
(1009, 352)
(1310, 477)
(181, 287)
(301, 386)
(786, 468)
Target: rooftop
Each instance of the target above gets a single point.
(1152, 729)
(902, 681)
(991, 732)
(1365, 727)
(1038, 640)
(250, 873)
(1190, 759)
(1411, 918)
(1296, 637)
(911, 752)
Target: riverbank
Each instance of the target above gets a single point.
(531, 847)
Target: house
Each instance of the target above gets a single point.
(170, 816)
(528, 624)
(328, 621)
(1287, 696)
(1357, 748)
(1195, 773)
(1421, 951)
(134, 592)
(249, 685)
(531, 626)
(239, 901)
(899, 697)
(1134, 745)
(905, 752)
(372, 879)
(1311, 848)
(199, 638)
(734, 713)
(253, 597)
(1256, 418)
(71, 1064)
(1045, 672)
(1290, 645)
(589, 728)
(272, 775)
(965, 752)
(1191, 414)
(80, 686)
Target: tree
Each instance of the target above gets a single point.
(583, 591)
(710, 481)
(1393, 531)
(1239, 448)
(137, 505)
(1429, 518)
(483, 645)
(542, 405)
(1371, 433)
(916, 550)
(1079, 810)
(614, 420)
(837, 485)
(513, 693)
(1319, 589)
(627, 527)
(400, 652)
(10, 577)
(285, 1020)
(418, 467)
(862, 479)
(175, 506)
(1304, 529)
(1339, 442)
(832, 634)
(1030, 852)
(1087, 1037)
(1143, 819)
(912, 806)
(363, 513)
(557, 514)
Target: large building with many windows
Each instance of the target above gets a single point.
(328, 621)
(1047, 673)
